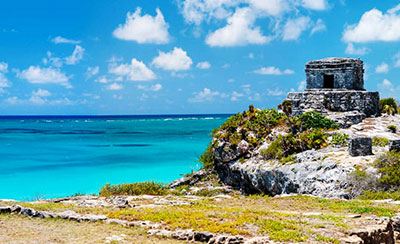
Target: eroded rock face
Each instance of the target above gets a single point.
(394, 145)
(319, 178)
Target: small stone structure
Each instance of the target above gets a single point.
(335, 88)
(360, 146)
(394, 145)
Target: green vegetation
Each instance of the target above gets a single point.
(388, 166)
(340, 139)
(380, 142)
(392, 128)
(380, 195)
(314, 120)
(388, 106)
(284, 146)
(322, 238)
(142, 188)
(207, 158)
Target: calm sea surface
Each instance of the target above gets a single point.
(58, 156)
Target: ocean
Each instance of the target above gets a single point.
(57, 156)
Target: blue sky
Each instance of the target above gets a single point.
(183, 56)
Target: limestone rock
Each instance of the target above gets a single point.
(360, 146)
(394, 145)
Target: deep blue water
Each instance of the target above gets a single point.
(55, 156)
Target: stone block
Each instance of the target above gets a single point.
(394, 145)
(360, 146)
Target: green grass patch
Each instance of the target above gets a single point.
(141, 188)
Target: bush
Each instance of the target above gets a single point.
(141, 188)
(388, 166)
(392, 128)
(207, 158)
(380, 141)
(340, 139)
(361, 181)
(380, 195)
(388, 105)
(314, 120)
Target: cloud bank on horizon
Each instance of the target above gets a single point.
(185, 56)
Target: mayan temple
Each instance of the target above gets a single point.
(335, 88)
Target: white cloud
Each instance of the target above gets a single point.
(271, 7)
(203, 65)
(135, 71)
(276, 92)
(76, 56)
(4, 82)
(13, 100)
(383, 68)
(118, 97)
(319, 26)
(38, 75)
(375, 26)
(41, 93)
(156, 87)
(114, 87)
(196, 11)
(53, 61)
(251, 55)
(3, 67)
(387, 89)
(239, 31)
(92, 71)
(294, 27)
(206, 95)
(236, 95)
(350, 49)
(59, 39)
(271, 70)
(102, 79)
(175, 60)
(396, 58)
(302, 85)
(143, 29)
(314, 4)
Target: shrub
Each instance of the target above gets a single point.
(392, 128)
(361, 181)
(380, 141)
(388, 105)
(388, 166)
(207, 158)
(141, 188)
(340, 139)
(314, 120)
(380, 195)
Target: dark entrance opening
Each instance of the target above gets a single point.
(328, 81)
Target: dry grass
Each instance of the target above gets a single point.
(19, 229)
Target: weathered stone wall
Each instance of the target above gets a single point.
(349, 106)
(348, 73)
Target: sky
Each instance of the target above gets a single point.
(102, 57)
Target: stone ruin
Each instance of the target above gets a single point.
(335, 88)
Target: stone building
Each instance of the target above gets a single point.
(335, 88)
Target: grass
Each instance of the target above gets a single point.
(141, 188)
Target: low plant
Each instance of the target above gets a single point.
(380, 195)
(388, 166)
(207, 158)
(392, 128)
(315, 120)
(141, 188)
(361, 181)
(340, 139)
(380, 141)
(388, 105)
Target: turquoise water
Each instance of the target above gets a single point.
(50, 157)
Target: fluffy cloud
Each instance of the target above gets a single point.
(3, 67)
(59, 39)
(206, 95)
(4, 82)
(175, 60)
(76, 56)
(350, 49)
(375, 26)
(196, 11)
(302, 85)
(382, 68)
(236, 95)
(239, 31)
(387, 89)
(396, 59)
(38, 97)
(135, 71)
(38, 75)
(203, 65)
(294, 27)
(271, 7)
(154, 88)
(143, 29)
(271, 70)
(114, 87)
(41, 93)
(319, 26)
(314, 4)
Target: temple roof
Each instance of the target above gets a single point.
(335, 61)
